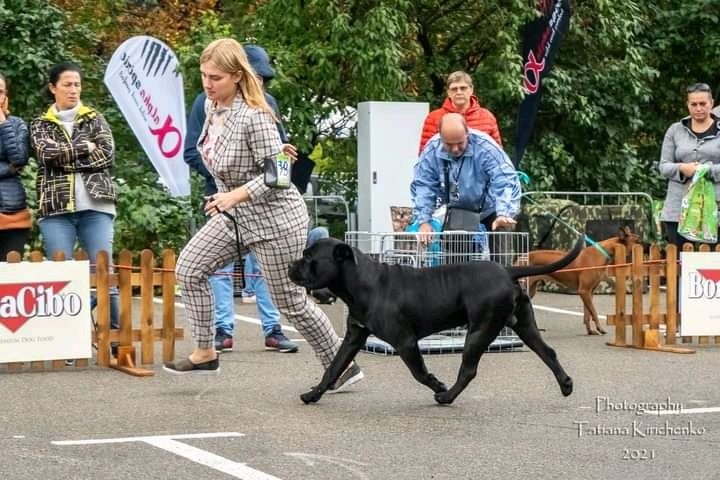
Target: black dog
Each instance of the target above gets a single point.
(401, 305)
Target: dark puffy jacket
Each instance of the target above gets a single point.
(13, 156)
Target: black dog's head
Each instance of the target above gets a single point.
(321, 263)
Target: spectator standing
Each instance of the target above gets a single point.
(460, 99)
(689, 143)
(239, 134)
(222, 282)
(76, 196)
(15, 221)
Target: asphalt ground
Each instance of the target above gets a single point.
(248, 421)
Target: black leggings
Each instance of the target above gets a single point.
(12, 240)
(673, 237)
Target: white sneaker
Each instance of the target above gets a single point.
(249, 299)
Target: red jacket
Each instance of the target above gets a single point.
(477, 118)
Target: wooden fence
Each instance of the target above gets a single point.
(127, 277)
(646, 331)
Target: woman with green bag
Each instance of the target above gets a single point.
(689, 144)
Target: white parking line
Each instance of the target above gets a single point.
(566, 312)
(289, 328)
(242, 318)
(101, 441)
(170, 443)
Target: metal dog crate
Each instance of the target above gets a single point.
(506, 248)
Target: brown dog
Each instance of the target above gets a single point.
(583, 281)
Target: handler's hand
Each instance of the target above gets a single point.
(290, 151)
(503, 223)
(688, 169)
(220, 202)
(425, 233)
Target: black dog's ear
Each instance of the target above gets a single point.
(344, 252)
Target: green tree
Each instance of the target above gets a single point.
(593, 108)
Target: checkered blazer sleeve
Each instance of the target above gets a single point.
(264, 142)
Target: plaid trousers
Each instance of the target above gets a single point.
(214, 246)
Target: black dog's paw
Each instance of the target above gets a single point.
(436, 385)
(310, 397)
(566, 387)
(444, 398)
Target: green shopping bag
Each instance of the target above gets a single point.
(698, 210)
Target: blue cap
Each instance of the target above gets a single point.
(259, 60)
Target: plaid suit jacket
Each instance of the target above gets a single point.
(250, 136)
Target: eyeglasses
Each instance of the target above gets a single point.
(698, 87)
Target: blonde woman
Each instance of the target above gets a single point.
(238, 135)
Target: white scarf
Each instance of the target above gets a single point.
(67, 117)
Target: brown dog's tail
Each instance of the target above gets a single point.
(530, 270)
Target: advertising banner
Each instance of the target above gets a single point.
(45, 316)
(144, 80)
(541, 40)
(700, 294)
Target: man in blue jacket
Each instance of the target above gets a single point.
(466, 169)
(221, 283)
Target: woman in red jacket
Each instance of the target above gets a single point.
(461, 100)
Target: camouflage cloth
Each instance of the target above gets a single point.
(538, 218)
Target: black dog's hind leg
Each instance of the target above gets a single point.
(477, 340)
(410, 354)
(352, 343)
(527, 330)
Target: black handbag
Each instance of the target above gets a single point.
(460, 219)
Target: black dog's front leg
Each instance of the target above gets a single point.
(410, 354)
(352, 343)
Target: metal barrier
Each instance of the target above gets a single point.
(506, 248)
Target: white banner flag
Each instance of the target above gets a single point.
(144, 80)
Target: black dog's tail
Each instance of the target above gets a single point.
(530, 270)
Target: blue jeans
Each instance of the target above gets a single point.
(94, 231)
(269, 314)
(249, 271)
(222, 288)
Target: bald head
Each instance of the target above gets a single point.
(454, 132)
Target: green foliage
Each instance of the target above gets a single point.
(593, 107)
(33, 36)
(617, 85)
(209, 28)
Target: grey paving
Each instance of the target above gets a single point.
(511, 422)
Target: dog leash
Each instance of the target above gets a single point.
(588, 240)
(237, 232)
